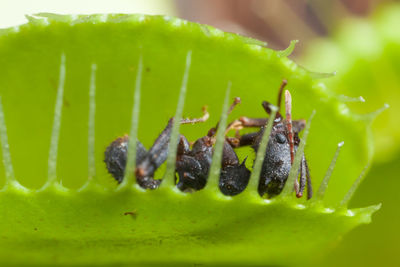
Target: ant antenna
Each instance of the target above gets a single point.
(267, 106)
(288, 107)
(205, 117)
(283, 84)
(236, 125)
(213, 131)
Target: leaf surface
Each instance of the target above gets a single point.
(56, 224)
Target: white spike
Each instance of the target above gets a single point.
(55, 133)
(169, 177)
(252, 187)
(215, 168)
(133, 134)
(353, 188)
(5, 148)
(345, 98)
(324, 184)
(371, 116)
(289, 50)
(91, 123)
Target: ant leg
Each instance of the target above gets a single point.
(253, 122)
(154, 158)
(204, 118)
(213, 131)
(267, 107)
(288, 107)
(159, 151)
(247, 139)
(116, 155)
(309, 184)
(283, 84)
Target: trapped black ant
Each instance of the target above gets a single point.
(193, 166)
(147, 162)
(283, 142)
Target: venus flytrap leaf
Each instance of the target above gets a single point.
(155, 226)
(365, 52)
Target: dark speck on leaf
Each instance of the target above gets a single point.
(131, 213)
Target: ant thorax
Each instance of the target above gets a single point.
(204, 145)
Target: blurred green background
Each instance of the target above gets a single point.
(360, 39)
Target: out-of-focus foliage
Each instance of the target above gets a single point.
(366, 55)
(378, 243)
(88, 226)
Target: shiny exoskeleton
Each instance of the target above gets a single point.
(282, 145)
(147, 162)
(192, 166)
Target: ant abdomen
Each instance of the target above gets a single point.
(234, 179)
(116, 156)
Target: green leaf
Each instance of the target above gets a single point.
(365, 52)
(47, 136)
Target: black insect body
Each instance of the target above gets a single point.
(234, 175)
(116, 154)
(282, 145)
(147, 162)
(156, 156)
(277, 162)
(192, 166)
